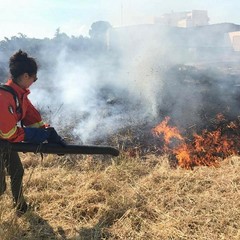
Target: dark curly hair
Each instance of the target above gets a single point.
(21, 63)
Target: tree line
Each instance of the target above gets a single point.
(47, 51)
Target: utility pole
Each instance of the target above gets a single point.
(121, 13)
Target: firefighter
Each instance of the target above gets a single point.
(20, 121)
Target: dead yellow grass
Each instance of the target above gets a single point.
(75, 197)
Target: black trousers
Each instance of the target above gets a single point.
(11, 163)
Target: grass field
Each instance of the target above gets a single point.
(98, 197)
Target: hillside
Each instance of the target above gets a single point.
(86, 197)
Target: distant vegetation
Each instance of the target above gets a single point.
(47, 50)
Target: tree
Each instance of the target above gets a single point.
(99, 29)
(98, 33)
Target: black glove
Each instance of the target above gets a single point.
(54, 137)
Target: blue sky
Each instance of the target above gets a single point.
(41, 18)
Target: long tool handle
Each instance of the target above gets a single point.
(68, 149)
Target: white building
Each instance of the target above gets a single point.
(192, 18)
(235, 40)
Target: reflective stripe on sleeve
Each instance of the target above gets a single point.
(8, 134)
(36, 125)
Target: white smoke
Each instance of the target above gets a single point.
(95, 96)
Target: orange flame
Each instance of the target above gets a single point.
(205, 149)
(167, 132)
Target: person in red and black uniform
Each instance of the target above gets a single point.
(23, 70)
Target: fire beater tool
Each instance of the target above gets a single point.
(57, 148)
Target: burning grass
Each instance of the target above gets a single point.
(206, 148)
(85, 197)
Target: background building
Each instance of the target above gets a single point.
(235, 40)
(192, 18)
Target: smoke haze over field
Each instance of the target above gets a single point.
(95, 97)
(136, 81)
(144, 75)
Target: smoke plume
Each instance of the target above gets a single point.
(135, 75)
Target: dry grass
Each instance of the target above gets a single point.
(75, 197)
